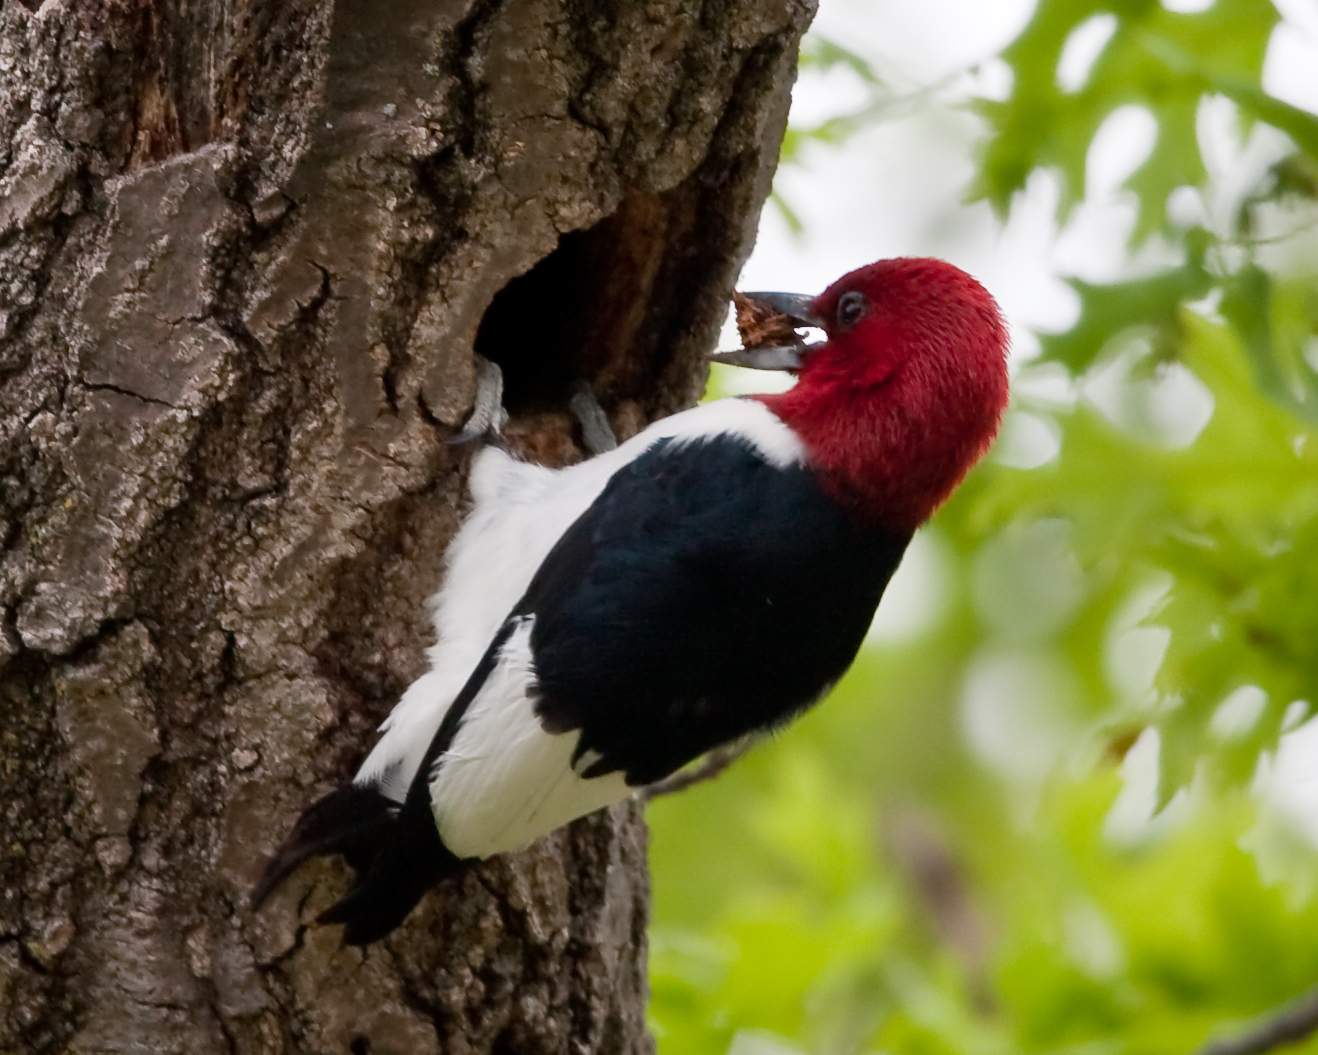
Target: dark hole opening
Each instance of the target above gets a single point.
(531, 329)
(580, 313)
(360, 1046)
(505, 1044)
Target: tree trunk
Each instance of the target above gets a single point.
(247, 248)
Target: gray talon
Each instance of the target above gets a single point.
(596, 432)
(488, 416)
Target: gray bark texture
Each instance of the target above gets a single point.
(247, 248)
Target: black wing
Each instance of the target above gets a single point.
(705, 594)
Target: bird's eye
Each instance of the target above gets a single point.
(851, 308)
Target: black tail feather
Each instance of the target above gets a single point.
(410, 858)
(354, 820)
(411, 861)
(395, 851)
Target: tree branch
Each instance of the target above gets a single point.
(1292, 1022)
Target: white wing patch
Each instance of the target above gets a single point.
(505, 781)
(519, 511)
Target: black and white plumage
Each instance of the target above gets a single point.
(599, 627)
(602, 625)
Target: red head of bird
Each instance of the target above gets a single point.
(907, 392)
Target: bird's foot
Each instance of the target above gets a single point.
(488, 416)
(708, 767)
(596, 432)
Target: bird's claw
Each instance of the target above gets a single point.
(596, 432)
(488, 417)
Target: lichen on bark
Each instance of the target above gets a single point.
(246, 252)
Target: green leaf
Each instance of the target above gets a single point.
(1158, 59)
(1275, 319)
(1106, 311)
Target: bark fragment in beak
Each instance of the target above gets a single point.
(767, 323)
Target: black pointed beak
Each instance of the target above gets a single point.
(798, 309)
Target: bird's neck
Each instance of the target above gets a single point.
(893, 453)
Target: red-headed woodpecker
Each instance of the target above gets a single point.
(601, 626)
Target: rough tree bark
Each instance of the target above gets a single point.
(246, 250)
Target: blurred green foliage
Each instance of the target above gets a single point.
(1042, 820)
